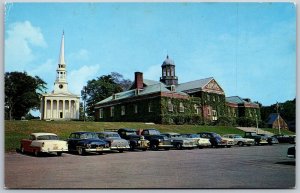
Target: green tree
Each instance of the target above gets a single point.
(99, 89)
(22, 93)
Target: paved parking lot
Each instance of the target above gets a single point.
(236, 167)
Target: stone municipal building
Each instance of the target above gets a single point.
(167, 101)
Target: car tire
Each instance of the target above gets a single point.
(178, 146)
(121, 151)
(36, 153)
(154, 147)
(22, 149)
(145, 149)
(240, 143)
(81, 151)
(58, 153)
(131, 147)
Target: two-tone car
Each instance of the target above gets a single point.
(180, 142)
(216, 140)
(135, 141)
(114, 140)
(84, 142)
(38, 143)
(259, 140)
(157, 141)
(239, 140)
(201, 142)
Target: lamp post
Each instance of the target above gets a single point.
(256, 124)
(278, 122)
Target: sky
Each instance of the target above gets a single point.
(249, 48)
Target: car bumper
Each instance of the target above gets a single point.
(98, 149)
(165, 145)
(53, 150)
(119, 147)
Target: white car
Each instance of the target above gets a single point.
(43, 142)
(201, 142)
(239, 140)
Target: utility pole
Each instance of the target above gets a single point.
(277, 107)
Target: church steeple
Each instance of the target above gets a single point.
(168, 72)
(60, 84)
(62, 50)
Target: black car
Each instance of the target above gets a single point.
(157, 141)
(291, 152)
(284, 138)
(135, 141)
(216, 140)
(84, 142)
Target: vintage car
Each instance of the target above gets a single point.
(239, 140)
(135, 141)
(84, 142)
(259, 140)
(270, 139)
(43, 142)
(216, 140)
(114, 140)
(157, 141)
(284, 138)
(291, 152)
(180, 142)
(201, 142)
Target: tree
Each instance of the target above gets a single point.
(22, 93)
(101, 88)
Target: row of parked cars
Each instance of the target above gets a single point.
(83, 142)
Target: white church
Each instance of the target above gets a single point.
(60, 104)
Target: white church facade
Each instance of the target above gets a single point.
(60, 104)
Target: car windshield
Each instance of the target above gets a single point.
(112, 135)
(216, 135)
(88, 136)
(130, 133)
(47, 137)
(237, 136)
(154, 132)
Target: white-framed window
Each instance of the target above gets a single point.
(122, 110)
(101, 113)
(214, 115)
(135, 109)
(112, 111)
(170, 106)
(181, 107)
(149, 107)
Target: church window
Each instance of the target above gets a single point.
(112, 111)
(181, 107)
(101, 113)
(122, 110)
(170, 106)
(164, 72)
(168, 72)
(172, 71)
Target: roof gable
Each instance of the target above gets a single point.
(206, 84)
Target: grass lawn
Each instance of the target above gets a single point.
(17, 130)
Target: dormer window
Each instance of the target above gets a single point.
(173, 88)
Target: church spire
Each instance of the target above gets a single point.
(62, 50)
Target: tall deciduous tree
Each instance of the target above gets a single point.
(22, 93)
(101, 88)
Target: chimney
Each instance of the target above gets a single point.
(138, 79)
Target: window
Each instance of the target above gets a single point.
(208, 98)
(101, 113)
(172, 72)
(149, 107)
(197, 109)
(214, 115)
(208, 111)
(112, 111)
(170, 106)
(164, 72)
(122, 110)
(135, 109)
(181, 108)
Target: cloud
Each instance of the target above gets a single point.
(21, 38)
(78, 78)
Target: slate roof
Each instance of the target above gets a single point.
(272, 117)
(238, 100)
(150, 88)
(192, 85)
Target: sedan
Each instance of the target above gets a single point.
(216, 140)
(114, 140)
(43, 142)
(239, 140)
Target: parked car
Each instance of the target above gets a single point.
(157, 141)
(239, 140)
(271, 140)
(84, 142)
(114, 140)
(201, 142)
(43, 142)
(259, 140)
(180, 142)
(284, 138)
(216, 140)
(291, 152)
(135, 141)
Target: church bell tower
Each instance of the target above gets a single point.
(60, 84)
